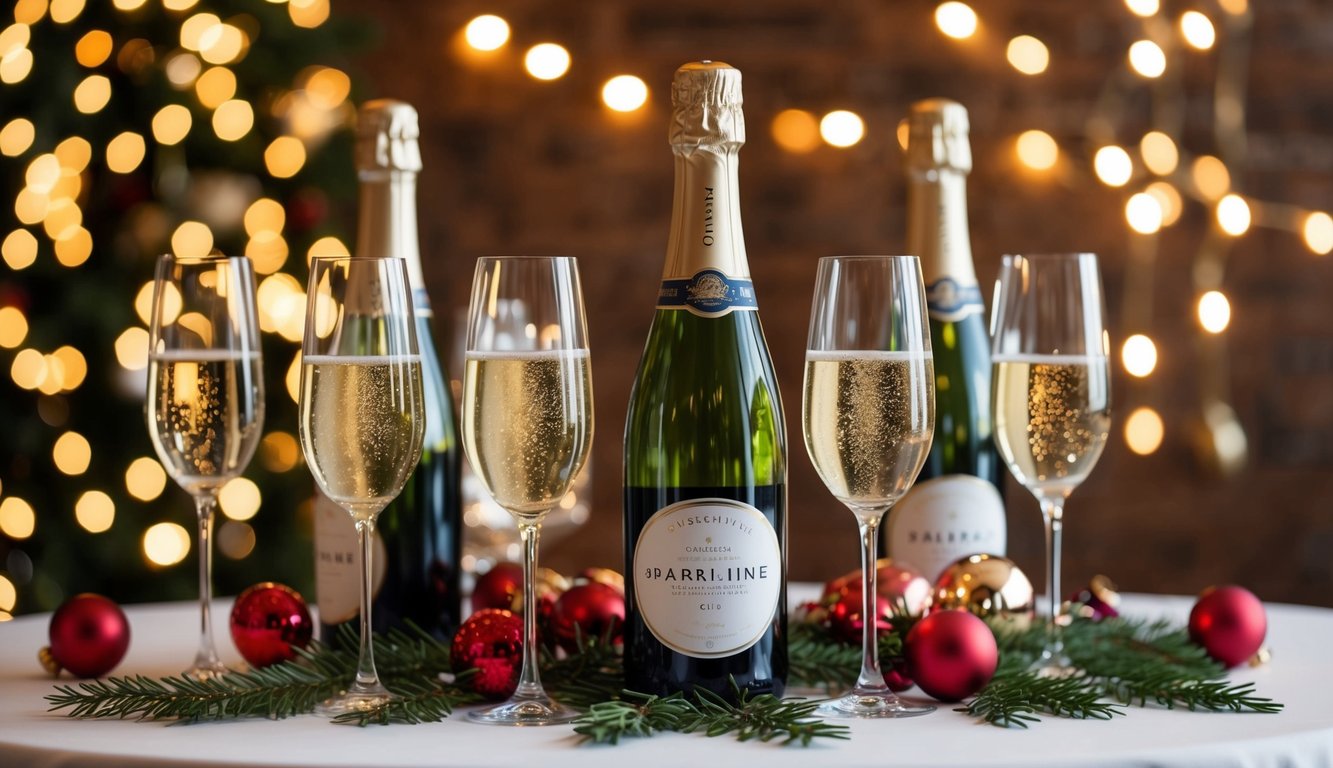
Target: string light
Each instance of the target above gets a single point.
(1197, 30)
(233, 119)
(13, 327)
(264, 215)
(145, 479)
(125, 152)
(192, 240)
(1147, 59)
(1214, 311)
(625, 93)
(842, 128)
(1028, 55)
(327, 88)
(222, 43)
(308, 14)
(1159, 153)
(1037, 150)
(30, 206)
(62, 218)
(15, 65)
(95, 511)
(194, 28)
(14, 37)
(128, 5)
(28, 369)
(183, 69)
(547, 61)
(1318, 232)
(19, 249)
(29, 11)
(166, 544)
(487, 32)
(279, 452)
(74, 364)
(8, 594)
(132, 349)
(1211, 177)
(17, 136)
(1113, 166)
(267, 251)
(93, 49)
(1144, 8)
(293, 378)
(284, 157)
(1144, 431)
(65, 11)
(215, 86)
(1168, 199)
(1233, 215)
(239, 498)
(171, 124)
(42, 174)
(236, 540)
(1143, 213)
(1139, 355)
(279, 297)
(74, 154)
(956, 20)
(74, 247)
(17, 519)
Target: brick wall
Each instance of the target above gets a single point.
(516, 166)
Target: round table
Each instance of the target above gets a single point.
(1299, 675)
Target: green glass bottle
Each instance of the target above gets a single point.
(955, 508)
(705, 444)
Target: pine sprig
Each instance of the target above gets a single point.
(1015, 700)
(417, 702)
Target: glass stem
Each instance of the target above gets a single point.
(367, 679)
(205, 505)
(871, 679)
(529, 681)
(1053, 510)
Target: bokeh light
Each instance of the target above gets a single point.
(1028, 55)
(183, 69)
(145, 479)
(1317, 230)
(308, 14)
(19, 249)
(125, 152)
(1144, 431)
(172, 124)
(132, 349)
(1143, 213)
(1211, 177)
(1147, 59)
(284, 157)
(74, 366)
(1197, 30)
(487, 32)
(17, 136)
(236, 540)
(796, 130)
(13, 327)
(956, 20)
(74, 247)
(95, 511)
(92, 94)
(625, 93)
(1233, 215)
(166, 544)
(842, 128)
(72, 453)
(279, 452)
(233, 119)
(546, 61)
(1159, 153)
(1037, 150)
(1144, 8)
(215, 86)
(1113, 166)
(17, 518)
(1214, 311)
(293, 378)
(1139, 355)
(93, 49)
(239, 498)
(28, 369)
(8, 595)
(1168, 198)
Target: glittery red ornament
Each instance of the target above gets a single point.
(896, 677)
(588, 610)
(845, 620)
(951, 654)
(896, 582)
(267, 621)
(491, 641)
(89, 636)
(1229, 622)
(500, 587)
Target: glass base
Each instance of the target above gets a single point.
(1054, 663)
(872, 705)
(203, 670)
(542, 711)
(354, 701)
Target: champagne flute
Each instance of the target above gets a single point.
(1051, 391)
(527, 423)
(869, 416)
(362, 413)
(205, 405)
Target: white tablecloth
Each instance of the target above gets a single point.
(1300, 676)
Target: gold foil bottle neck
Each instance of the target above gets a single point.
(386, 137)
(706, 105)
(937, 137)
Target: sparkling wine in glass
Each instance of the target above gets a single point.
(361, 414)
(205, 404)
(527, 423)
(869, 416)
(1052, 391)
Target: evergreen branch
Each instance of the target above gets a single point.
(818, 660)
(417, 702)
(594, 673)
(633, 715)
(1015, 700)
(1206, 695)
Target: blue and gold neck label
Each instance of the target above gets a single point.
(948, 301)
(708, 294)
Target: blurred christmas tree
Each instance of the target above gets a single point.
(131, 128)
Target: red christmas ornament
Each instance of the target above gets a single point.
(588, 610)
(490, 641)
(606, 576)
(89, 636)
(1229, 622)
(1098, 600)
(896, 677)
(846, 622)
(951, 654)
(500, 587)
(267, 621)
(896, 582)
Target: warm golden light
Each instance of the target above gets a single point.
(487, 32)
(93, 49)
(19, 249)
(796, 130)
(65, 11)
(328, 88)
(1233, 215)
(30, 206)
(1144, 8)
(1159, 153)
(1197, 30)
(547, 61)
(17, 520)
(236, 540)
(13, 327)
(1144, 431)
(284, 157)
(264, 215)
(1028, 55)
(279, 452)
(132, 349)
(278, 298)
(74, 247)
(28, 369)
(29, 11)
(1143, 213)
(1113, 166)
(172, 124)
(1139, 355)
(145, 479)
(43, 173)
(221, 44)
(192, 240)
(129, 5)
(215, 86)
(179, 5)
(1168, 198)
(1211, 177)
(183, 69)
(956, 20)
(72, 453)
(1318, 232)
(17, 136)
(1037, 150)
(9, 595)
(1147, 59)
(166, 544)
(1214, 311)
(95, 511)
(267, 251)
(326, 246)
(239, 498)
(75, 366)
(62, 218)
(74, 154)
(624, 93)
(14, 37)
(1233, 7)
(15, 65)
(842, 128)
(194, 28)
(308, 14)
(233, 119)
(293, 379)
(125, 152)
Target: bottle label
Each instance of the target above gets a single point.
(338, 563)
(949, 301)
(709, 293)
(944, 519)
(707, 576)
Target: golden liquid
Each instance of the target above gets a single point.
(1052, 416)
(361, 427)
(869, 418)
(527, 424)
(206, 410)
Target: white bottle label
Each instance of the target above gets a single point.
(944, 519)
(338, 563)
(707, 576)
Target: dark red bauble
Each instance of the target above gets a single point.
(896, 677)
(845, 619)
(951, 654)
(1230, 623)
(591, 610)
(89, 636)
(267, 621)
(500, 587)
(490, 641)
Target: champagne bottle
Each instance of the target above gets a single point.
(956, 508)
(419, 535)
(705, 443)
